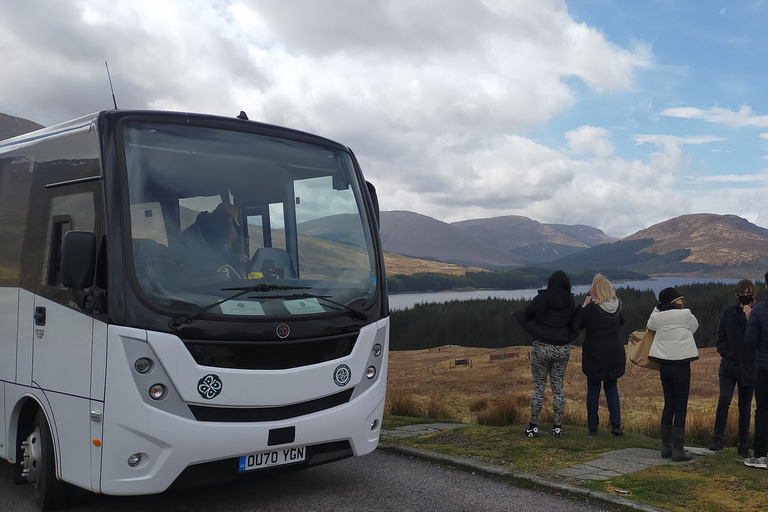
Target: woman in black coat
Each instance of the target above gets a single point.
(603, 357)
(550, 319)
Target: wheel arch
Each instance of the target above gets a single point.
(22, 422)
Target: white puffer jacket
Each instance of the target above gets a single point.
(674, 335)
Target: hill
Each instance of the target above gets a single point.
(11, 126)
(499, 242)
(415, 235)
(696, 245)
(533, 240)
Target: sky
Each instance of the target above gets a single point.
(614, 114)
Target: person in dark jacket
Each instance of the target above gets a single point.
(550, 319)
(737, 367)
(756, 335)
(604, 360)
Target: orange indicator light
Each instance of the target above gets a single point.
(97, 442)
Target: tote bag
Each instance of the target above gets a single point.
(638, 347)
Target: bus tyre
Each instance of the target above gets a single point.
(39, 466)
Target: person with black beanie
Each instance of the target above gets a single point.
(673, 348)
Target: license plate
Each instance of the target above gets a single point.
(273, 458)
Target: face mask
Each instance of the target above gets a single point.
(745, 299)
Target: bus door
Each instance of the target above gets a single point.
(66, 196)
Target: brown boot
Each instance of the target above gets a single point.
(666, 441)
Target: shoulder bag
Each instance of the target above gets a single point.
(638, 347)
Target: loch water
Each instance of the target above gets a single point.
(400, 301)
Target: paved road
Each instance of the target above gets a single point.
(377, 482)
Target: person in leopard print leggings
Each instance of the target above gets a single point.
(551, 318)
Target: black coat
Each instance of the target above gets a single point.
(603, 356)
(738, 360)
(550, 317)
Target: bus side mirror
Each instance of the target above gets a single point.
(78, 260)
(375, 200)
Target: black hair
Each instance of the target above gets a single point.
(559, 283)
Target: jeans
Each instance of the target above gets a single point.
(761, 413)
(593, 401)
(676, 384)
(727, 385)
(549, 360)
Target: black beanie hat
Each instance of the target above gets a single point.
(668, 295)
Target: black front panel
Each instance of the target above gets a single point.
(278, 355)
(257, 414)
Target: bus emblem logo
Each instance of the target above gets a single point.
(209, 386)
(341, 375)
(283, 330)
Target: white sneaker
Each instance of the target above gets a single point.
(756, 462)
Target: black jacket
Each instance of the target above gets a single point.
(738, 360)
(550, 318)
(603, 349)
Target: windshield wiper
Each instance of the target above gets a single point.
(356, 313)
(177, 322)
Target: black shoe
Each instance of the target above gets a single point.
(743, 451)
(593, 433)
(616, 430)
(532, 431)
(717, 444)
(557, 430)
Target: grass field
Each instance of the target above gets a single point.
(498, 392)
(494, 398)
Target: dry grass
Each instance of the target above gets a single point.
(498, 392)
(405, 265)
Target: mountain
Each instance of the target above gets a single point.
(697, 245)
(711, 239)
(419, 236)
(499, 242)
(12, 126)
(532, 240)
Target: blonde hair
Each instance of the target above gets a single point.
(603, 289)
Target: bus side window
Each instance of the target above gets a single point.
(69, 208)
(61, 225)
(15, 189)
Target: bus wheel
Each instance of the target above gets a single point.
(39, 466)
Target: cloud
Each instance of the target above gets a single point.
(588, 139)
(670, 159)
(743, 118)
(735, 178)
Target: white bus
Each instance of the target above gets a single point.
(185, 297)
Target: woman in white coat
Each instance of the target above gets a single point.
(673, 348)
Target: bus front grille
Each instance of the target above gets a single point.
(257, 414)
(273, 355)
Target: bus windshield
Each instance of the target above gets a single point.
(214, 211)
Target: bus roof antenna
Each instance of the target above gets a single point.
(110, 85)
(243, 115)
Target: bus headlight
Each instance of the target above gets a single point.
(377, 350)
(157, 392)
(134, 460)
(370, 372)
